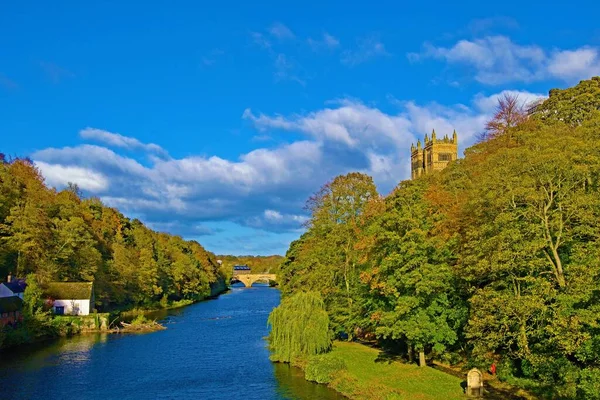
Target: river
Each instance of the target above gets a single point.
(210, 350)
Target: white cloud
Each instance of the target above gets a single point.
(487, 104)
(273, 215)
(276, 221)
(572, 65)
(497, 60)
(281, 32)
(60, 175)
(366, 49)
(118, 140)
(266, 188)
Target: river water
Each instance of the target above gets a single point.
(210, 350)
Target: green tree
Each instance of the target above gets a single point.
(33, 301)
(410, 279)
(571, 106)
(299, 327)
(325, 258)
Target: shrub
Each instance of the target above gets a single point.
(323, 368)
(589, 384)
(139, 320)
(164, 301)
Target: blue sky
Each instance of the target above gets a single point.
(217, 122)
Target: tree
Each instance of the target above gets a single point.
(572, 106)
(33, 301)
(299, 327)
(410, 277)
(509, 113)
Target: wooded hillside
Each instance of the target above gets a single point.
(496, 259)
(60, 236)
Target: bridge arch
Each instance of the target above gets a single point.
(249, 279)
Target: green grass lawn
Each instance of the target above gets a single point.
(367, 377)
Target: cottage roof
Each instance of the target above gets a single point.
(69, 290)
(241, 268)
(16, 285)
(9, 304)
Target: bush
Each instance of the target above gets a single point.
(589, 384)
(164, 301)
(140, 320)
(323, 368)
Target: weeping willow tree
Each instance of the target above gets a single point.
(299, 327)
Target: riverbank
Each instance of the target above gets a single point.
(361, 372)
(368, 375)
(210, 350)
(45, 327)
(216, 289)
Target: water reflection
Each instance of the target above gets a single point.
(210, 350)
(40, 355)
(292, 385)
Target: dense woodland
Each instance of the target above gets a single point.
(48, 235)
(496, 259)
(258, 264)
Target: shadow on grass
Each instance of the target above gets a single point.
(388, 357)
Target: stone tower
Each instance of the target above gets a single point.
(434, 155)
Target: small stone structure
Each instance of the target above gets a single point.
(249, 279)
(475, 383)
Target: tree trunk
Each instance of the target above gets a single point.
(411, 354)
(422, 362)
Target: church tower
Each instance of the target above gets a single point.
(434, 155)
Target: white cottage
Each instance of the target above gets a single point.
(71, 298)
(12, 287)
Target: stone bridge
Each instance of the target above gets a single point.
(249, 279)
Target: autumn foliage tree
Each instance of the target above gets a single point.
(60, 236)
(492, 260)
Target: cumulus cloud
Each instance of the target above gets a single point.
(497, 60)
(274, 220)
(60, 175)
(117, 140)
(487, 104)
(265, 188)
(571, 65)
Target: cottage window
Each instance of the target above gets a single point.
(59, 310)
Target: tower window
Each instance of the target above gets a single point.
(445, 157)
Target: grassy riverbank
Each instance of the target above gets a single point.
(369, 376)
(46, 326)
(361, 372)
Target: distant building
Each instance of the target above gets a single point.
(12, 287)
(434, 155)
(10, 310)
(241, 269)
(70, 298)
